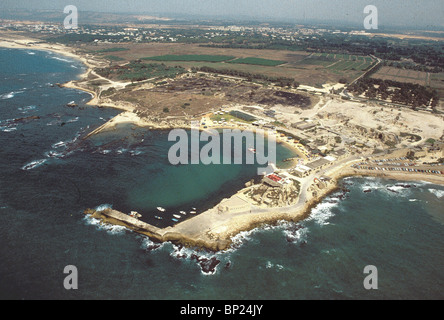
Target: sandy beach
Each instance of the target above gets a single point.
(19, 42)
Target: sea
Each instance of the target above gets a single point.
(49, 175)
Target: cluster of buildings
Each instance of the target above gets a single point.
(163, 34)
(304, 170)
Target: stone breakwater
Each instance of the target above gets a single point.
(115, 217)
(214, 231)
(211, 230)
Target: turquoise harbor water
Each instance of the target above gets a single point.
(48, 176)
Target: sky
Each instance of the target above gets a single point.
(406, 13)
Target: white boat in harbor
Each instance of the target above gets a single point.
(160, 209)
(177, 216)
(183, 212)
(135, 214)
(193, 212)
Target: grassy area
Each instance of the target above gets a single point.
(316, 62)
(191, 57)
(258, 61)
(113, 58)
(233, 115)
(344, 65)
(137, 71)
(225, 117)
(117, 49)
(339, 62)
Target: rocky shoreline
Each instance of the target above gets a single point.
(218, 235)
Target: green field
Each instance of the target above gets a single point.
(136, 71)
(117, 49)
(191, 57)
(114, 58)
(355, 63)
(258, 61)
(235, 116)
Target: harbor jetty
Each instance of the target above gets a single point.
(172, 233)
(215, 228)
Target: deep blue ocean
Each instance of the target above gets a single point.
(49, 175)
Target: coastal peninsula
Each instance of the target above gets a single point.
(332, 136)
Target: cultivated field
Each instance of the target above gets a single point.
(258, 61)
(433, 80)
(190, 57)
(403, 75)
(306, 68)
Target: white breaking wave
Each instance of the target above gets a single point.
(61, 59)
(121, 150)
(201, 258)
(27, 108)
(135, 152)
(241, 238)
(150, 245)
(388, 189)
(322, 213)
(276, 266)
(9, 95)
(297, 236)
(34, 164)
(59, 144)
(8, 129)
(103, 207)
(73, 120)
(397, 189)
(437, 193)
(53, 154)
(372, 185)
(110, 228)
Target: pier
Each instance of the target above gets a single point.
(180, 233)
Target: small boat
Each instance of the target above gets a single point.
(183, 212)
(252, 150)
(176, 216)
(135, 214)
(158, 218)
(72, 104)
(193, 209)
(160, 209)
(193, 212)
(175, 220)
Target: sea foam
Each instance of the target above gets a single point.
(109, 228)
(437, 193)
(9, 95)
(34, 164)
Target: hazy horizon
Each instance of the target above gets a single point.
(401, 13)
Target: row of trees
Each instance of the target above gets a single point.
(412, 66)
